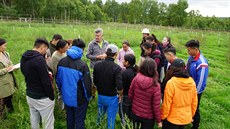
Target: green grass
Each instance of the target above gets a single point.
(215, 104)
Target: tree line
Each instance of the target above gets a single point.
(134, 12)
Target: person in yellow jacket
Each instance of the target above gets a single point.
(180, 97)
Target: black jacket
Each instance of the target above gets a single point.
(38, 82)
(127, 77)
(107, 77)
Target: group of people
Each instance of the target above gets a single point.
(135, 91)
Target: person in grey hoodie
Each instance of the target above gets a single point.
(96, 52)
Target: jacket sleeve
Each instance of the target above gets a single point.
(57, 78)
(3, 71)
(45, 79)
(131, 89)
(118, 58)
(87, 80)
(194, 101)
(124, 79)
(95, 76)
(90, 52)
(167, 102)
(156, 103)
(202, 75)
(118, 77)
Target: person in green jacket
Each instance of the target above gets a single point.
(7, 80)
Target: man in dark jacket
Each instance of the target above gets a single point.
(39, 91)
(74, 82)
(108, 80)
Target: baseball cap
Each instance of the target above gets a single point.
(179, 63)
(145, 31)
(112, 47)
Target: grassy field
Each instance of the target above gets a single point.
(215, 102)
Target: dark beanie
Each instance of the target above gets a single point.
(2, 41)
(179, 63)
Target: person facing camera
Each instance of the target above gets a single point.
(7, 79)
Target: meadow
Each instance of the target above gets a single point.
(215, 46)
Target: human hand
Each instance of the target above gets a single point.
(10, 68)
(119, 98)
(103, 56)
(98, 57)
(159, 125)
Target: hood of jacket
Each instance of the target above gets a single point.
(143, 81)
(183, 83)
(30, 54)
(75, 52)
(156, 52)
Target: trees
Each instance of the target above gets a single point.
(176, 14)
(135, 12)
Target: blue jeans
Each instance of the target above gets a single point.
(107, 104)
(75, 116)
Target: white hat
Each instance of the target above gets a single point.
(145, 31)
(113, 47)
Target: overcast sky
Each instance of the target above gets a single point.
(219, 8)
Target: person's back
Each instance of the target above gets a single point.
(39, 90)
(105, 76)
(108, 80)
(145, 95)
(71, 71)
(180, 97)
(38, 85)
(74, 83)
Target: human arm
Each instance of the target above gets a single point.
(119, 85)
(89, 53)
(44, 78)
(5, 70)
(87, 80)
(131, 89)
(201, 77)
(156, 100)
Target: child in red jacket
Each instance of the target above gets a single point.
(145, 95)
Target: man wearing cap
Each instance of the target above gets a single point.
(145, 33)
(96, 52)
(39, 91)
(197, 67)
(108, 80)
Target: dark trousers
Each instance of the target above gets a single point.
(143, 122)
(168, 125)
(125, 109)
(196, 117)
(6, 102)
(75, 116)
